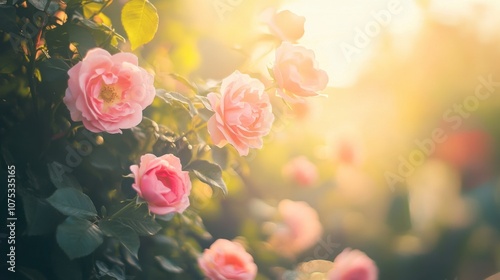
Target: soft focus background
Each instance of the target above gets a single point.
(400, 159)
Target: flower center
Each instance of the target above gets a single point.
(109, 94)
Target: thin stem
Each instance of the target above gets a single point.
(128, 206)
(106, 3)
(32, 82)
(193, 130)
(32, 59)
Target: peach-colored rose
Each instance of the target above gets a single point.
(302, 171)
(285, 25)
(161, 182)
(353, 265)
(108, 92)
(297, 74)
(226, 260)
(301, 228)
(243, 113)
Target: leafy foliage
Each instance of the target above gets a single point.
(65, 172)
(78, 237)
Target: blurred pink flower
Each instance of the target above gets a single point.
(227, 260)
(108, 92)
(348, 150)
(353, 265)
(301, 228)
(297, 74)
(161, 182)
(470, 152)
(243, 113)
(285, 25)
(301, 170)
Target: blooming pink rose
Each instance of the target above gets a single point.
(301, 171)
(243, 113)
(286, 25)
(353, 265)
(161, 182)
(108, 92)
(301, 228)
(226, 260)
(297, 74)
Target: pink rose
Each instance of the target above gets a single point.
(286, 25)
(108, 92)
(301, 228)
(297, 74)
(243, 113)
(227, 260)
(353, 265)
(161, 182)
(301, 171)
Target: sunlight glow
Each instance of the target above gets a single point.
(331, 24)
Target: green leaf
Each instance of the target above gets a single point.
(116, 271)
(130, 260)
(125, 234)
(192, 220)
(139, 220)
(163, 240)
(168, 265)
(81, 38)
(205, 114)
(140, 21)
(204, 100)
(168, 97)
(93, 8)
(78, 237)
(184, 81)
(39, 4)
(166, 217)
(72, 202)
(41, 218)
(209, 173)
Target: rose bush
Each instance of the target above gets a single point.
(79, 114)
(108, 92)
